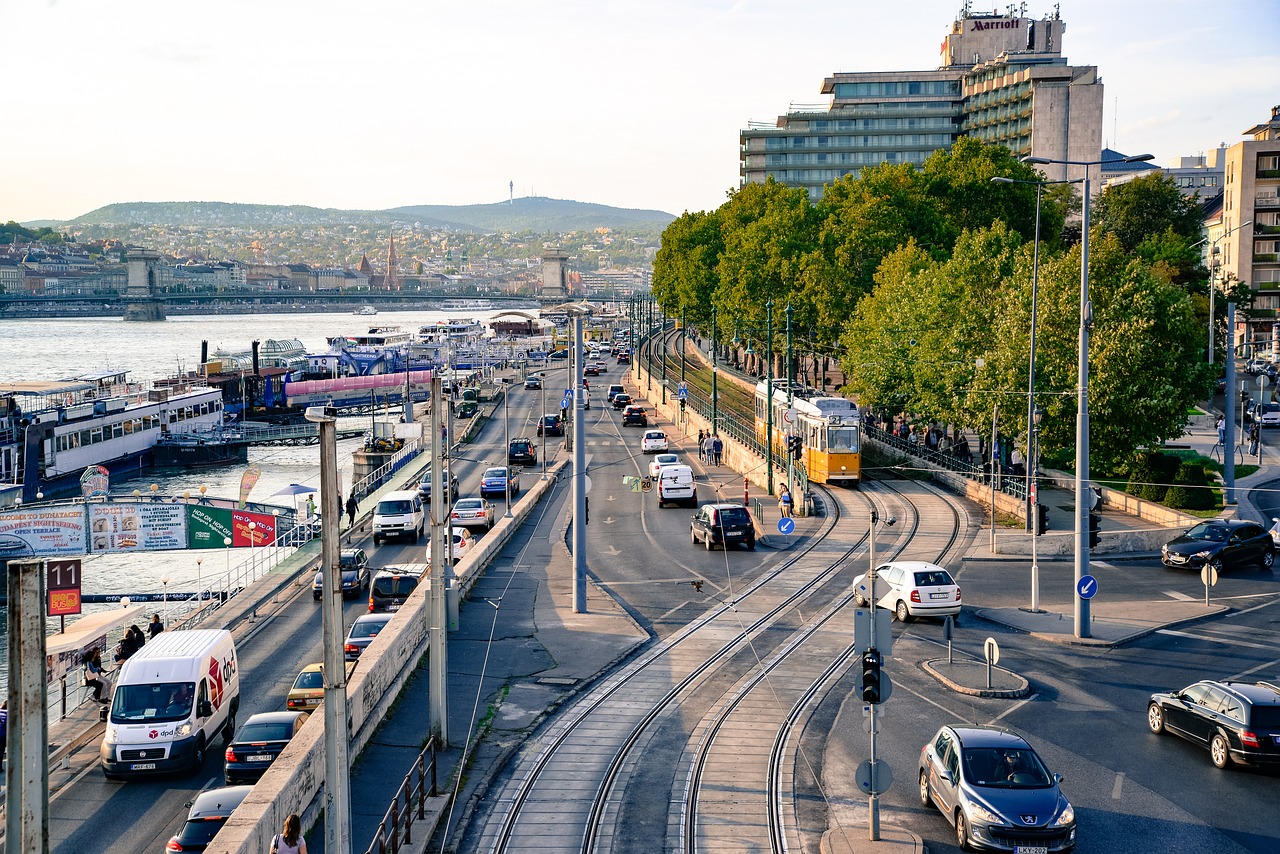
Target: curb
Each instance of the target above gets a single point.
(1021, 687)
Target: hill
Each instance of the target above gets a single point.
(534, 213)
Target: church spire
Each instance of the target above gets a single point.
(393, 264)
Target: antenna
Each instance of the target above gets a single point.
(511, 190)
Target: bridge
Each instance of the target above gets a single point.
(257, 433)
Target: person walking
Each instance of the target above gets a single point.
(1222, 430)
(1254, 436)
(94, 673)
(717, 448)
(352, 507)
(289, 840)
(311, 507)
(784, 503)
(155, 627)
(702, 437)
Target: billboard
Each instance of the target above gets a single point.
(42, 531)
(137, 527)
(210, 528)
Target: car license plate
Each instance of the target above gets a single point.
(262, 757)
(732, 534)
(939, 595)
(143, 766)
(1177, 559)
(393, 607)
(1030, 849)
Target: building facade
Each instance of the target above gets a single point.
(1251, 194)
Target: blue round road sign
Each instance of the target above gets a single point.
(1087, 586)
(786, 525)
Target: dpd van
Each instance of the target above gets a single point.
(172, 698)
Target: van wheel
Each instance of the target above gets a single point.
(197, 758)
(376, 539)
(110, 776)
(751, 545)
(229, 728)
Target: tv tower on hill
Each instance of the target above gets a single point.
(511, 190)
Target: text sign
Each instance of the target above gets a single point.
(1087, 586)
(62, 579)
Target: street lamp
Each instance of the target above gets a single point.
(715, 355)
(506, 426)
(164, 583)
(1082, 629)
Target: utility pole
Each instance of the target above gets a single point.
(791, 457)
(579, 480)
(26, 771)
(768, 396)
(438, 653)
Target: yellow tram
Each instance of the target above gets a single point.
(829, 429)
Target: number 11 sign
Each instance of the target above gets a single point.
(63, 584)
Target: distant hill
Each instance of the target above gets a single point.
(533, 213)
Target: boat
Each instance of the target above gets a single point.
(179, 450)
(287, 353)
(466, 305)
(365, 311)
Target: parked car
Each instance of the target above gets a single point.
(723, 524)
(995, 790)
(462, 543)
(533, 382)
(206, 816)
(1238, 721)
(392, 586)
(307, 692)
(621, 400)
(260, 740)
(634, 416)
(1220, 543)
(660, 460)
(472, 513)
(499, 480)
(614, 389)
(550, 425)
(354, 566)
(522, 452)
(653, 441)
(1264, 414)
(915, 589)
(450, 482)
(362, 632)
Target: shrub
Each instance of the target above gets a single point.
(1190, 490)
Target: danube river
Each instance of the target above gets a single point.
(53, 349)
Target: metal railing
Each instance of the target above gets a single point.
(409, 804)
(379, 476)
(1006, 482)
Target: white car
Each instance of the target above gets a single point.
(913, 588)
(653, 441)
(462, 543)
(662, 460)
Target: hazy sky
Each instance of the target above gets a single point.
(379, 103)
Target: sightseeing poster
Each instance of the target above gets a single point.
(211, 527)
(42, 532)
(137, 527)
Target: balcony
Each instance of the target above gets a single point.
(1266, 229)
(1266, 202)
(1266, 258)
(1269, 173)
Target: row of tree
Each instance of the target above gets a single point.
(919, 280)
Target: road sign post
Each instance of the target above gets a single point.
(991, 652)
(1209, 576)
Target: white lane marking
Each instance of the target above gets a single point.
(672, 611)
(1268, 665)
(1181, 597)
(1175, 633)
(1115, 789)
(1013, 708)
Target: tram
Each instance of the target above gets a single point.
(830, 431)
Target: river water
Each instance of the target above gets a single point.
(52, 349)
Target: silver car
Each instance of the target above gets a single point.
(996, 792)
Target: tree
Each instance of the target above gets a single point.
(684, 269)
(1148, 205)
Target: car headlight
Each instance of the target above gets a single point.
(1204, 555)
(982, 814)
(1164, 549)
(1067, 816)
(112, 734)
(183, 730)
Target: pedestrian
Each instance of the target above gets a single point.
(352, 507)
(784, 503)
(1254, 436)
(708, 449)
(701, 436)
(717, 447)
(155, 627)
(94, 673)
(289, 840)
(311, 507)
(4, 729)
(1222, 430)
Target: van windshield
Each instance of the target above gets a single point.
(157, 702)
(398, 507)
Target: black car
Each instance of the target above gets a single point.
(723, 524)
(591, 370)
(550, 425)
(450, 481)
(391, 587)
(261, 739)
(1221, 543)
(1238, 721)
(209, 812)
(621, 400)
(522, 452)
(354, 566)
(634, 416)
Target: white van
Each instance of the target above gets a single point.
(399, 514)
(675, 484)
(172, 698)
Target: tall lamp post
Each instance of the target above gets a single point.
(1081, 616)
(715, 355)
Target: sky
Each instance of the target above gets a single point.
(381, 103)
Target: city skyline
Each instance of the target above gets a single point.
(376, 106)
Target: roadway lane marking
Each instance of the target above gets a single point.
(1012, 709)
(1115, 789)
(1266, 665)
(1181, 597)
(1210, 639)
(683, 604)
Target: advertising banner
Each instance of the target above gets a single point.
(211, 527)
(137, 527)
(95, 481)
(41, 532)
(63, 581)
(247, 481)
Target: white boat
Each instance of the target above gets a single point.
(365, 311)
(466, 305)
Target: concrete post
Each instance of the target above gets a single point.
(26, 773)
(438, 654)
(579, 477)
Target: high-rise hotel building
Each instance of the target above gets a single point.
(1003, 79)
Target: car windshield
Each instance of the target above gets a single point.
(367, 628)
(1005, 768)
(654, 435)
(157, 702)
(934, 578)
(398, 507)
(471, 504)
(1210, 532)
(734, 516)
(349, 562)
(395, 586)
(663, 459)
(496, 472)
(200, 831)
(266, 731)
(310, 679)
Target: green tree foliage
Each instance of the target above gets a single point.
(12, 232)
(1146, 206)
(684, 270)
(1190, 489)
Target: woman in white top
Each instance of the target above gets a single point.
(289, 840)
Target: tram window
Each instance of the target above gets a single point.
(842, 439)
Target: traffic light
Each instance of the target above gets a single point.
(1095, 527)
(1042, 518)
(794, 446)
(682, 404)
(871, 662)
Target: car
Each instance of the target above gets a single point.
(362, 632)
(614, 389)
(450, 482)
(1264, 414)
(260, 740)
(550, 425)
(602, 367)
(307, 692)
(533, 382)
(462, 542)
(621, 400)
(995, 790)
(522, 452)
(392, 586)
(723, 524)
(634, 416)
(206, 816)
(1220, 543)
(558, 355)
(915, 589)
(499, 480)
(1238, 721)
(590, 369)
(624, 357)
(354, 566)
(652, 441)
(401, 515)
(472, 513)
(660, 460)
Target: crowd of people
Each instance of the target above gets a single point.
(710, 448)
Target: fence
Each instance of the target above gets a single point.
(379, 476)
(1006, 482)
(409, 804)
